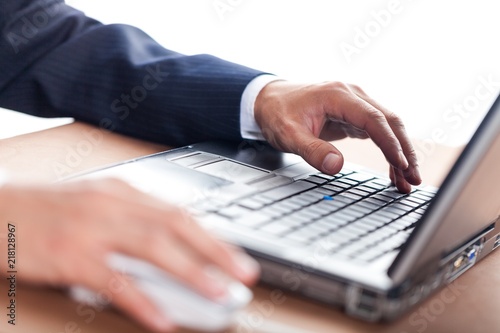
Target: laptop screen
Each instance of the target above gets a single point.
(467, 202)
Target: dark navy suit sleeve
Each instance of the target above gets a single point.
(55, 61)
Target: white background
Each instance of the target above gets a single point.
(420, 62)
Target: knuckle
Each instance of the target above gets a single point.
(356, 88)
(375, 115)
(394, 119)
(337, 86)
(412, 155)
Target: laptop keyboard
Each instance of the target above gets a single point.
(352, 214)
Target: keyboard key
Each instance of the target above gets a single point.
(362, 225)
(377, 202)
(351, 249)
(233, 211)
(394, 210)
(392, 193)
(346, 197)
(322, 226)
(307, 198)
(331, 222)
(416, 200)
(338, 184)
(273, 212)
(341, 216)
(316, 180)
(355, 214)
(305, 215)
(353, 229)
(407, 202)
(347, 181)
(358, 192)
(385, 213)
(291, 221)
(377, 235)
(314, 231)
(411, 217)
(312, 211)
(400, 224)
(208, 205)
(359, 176)
(345, 171)
(276, 229)
(374, 223)
(303, 234)
(297, 237)
(303, 219)
(357, 207)
(329, 206)
(374, 185)
(347, 234)
(420, 211)
(366, 189)
(321, 192)
(333, 188)
(325, 176)
(401, 206)
(335, 239)
(251, 203)
(378, 217)
(287, 206)
(254, 219)
(262, 199)
(369, 205)
(286, 191)
(383, 182)
(425, 194)
(381, 197)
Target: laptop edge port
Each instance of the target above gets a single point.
(497, 242)
(463, 261)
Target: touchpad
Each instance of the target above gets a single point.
(232, 171)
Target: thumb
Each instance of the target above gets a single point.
(320, 154)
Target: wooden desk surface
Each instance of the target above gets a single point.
(470, 305)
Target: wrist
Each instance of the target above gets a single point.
(268, 96)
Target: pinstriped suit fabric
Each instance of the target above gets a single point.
(114, 76)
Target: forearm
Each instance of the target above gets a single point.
(119, 78)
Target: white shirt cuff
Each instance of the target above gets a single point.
(3, 178)
(248, 126)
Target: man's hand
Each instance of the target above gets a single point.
(302, 119)
(67, 231)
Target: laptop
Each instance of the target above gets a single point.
(349, 240)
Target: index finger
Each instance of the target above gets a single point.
(412, 173)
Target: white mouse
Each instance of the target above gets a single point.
(182, 305)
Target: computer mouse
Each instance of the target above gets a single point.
(180, 304)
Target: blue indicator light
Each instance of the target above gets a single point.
(327, 197)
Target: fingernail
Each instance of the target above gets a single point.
(403, 160)
(247, 268)
(330, 163)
